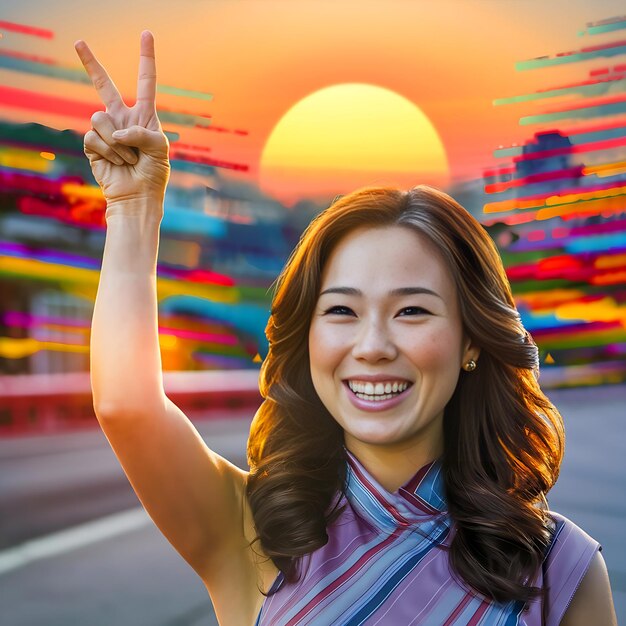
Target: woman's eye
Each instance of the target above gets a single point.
(413, 310)
(344, 310)
(338, 310)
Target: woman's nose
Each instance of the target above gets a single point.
(373, 342)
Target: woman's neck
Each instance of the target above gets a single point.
(393, 466)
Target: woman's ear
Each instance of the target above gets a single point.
(471, 351)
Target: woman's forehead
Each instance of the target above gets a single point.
(392, 249)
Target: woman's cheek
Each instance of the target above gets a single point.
(430, 350)
(331, 338)
(323, 345)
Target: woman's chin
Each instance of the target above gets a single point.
(372, 437)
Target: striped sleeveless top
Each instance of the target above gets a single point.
(384, 565)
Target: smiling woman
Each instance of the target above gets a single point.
(402, 456)
(348, 136)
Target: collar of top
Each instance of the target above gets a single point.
(420, 499)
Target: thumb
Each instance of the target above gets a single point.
(142, 138)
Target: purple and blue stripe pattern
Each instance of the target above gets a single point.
(386, 564)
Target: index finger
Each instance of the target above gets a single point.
(146, 81)
(101, 81)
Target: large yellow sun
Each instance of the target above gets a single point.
(348, 136)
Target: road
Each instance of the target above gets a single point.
(75, 549)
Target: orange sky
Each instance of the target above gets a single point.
(259, 58)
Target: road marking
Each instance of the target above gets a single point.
(73, 538)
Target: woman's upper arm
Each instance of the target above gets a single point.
(593, 601)
(191, 493)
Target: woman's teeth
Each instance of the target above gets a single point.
(377, 391)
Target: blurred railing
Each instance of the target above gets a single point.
(59, 402)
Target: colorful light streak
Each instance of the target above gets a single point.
(87, 279)
(57, 105)
(11, 348)
(37, 138)
(579, 148)
(51, 333)
(606, 169)
(551, 199)
(65, 324)
(185, 93)
(249, 319)
(16, 54)
(200, 276)
(183, 161)
(605, 26)
(19, 348)
(584, 54)
(582, 112)
(585, 88)
(581, 339)
(590, 102)
(28, 320)
(576, 135)
(24, 29)
(567, 211)
(24, 160)
(539, 177)
(568, 268)
(219, 361)
(14, 61)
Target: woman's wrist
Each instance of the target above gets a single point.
(144, 206)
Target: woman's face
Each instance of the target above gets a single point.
(386, 341)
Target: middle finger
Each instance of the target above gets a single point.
(146, 81)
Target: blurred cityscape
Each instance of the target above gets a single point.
(555, 205)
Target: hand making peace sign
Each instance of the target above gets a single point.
(123, 173)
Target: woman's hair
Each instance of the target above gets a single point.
(503, 438)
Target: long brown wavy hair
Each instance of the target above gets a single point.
(503, 438)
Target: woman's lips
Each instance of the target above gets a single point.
(376, 405)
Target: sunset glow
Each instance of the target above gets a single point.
(347, 136)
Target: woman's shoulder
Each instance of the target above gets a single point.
(569, 536)
(566, 562)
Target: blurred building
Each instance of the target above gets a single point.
(221, 244)
(557, 210)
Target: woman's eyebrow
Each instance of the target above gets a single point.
(400, 291)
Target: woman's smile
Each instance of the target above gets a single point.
(376, 396)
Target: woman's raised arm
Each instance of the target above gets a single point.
(132, 171)
(194, 496)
